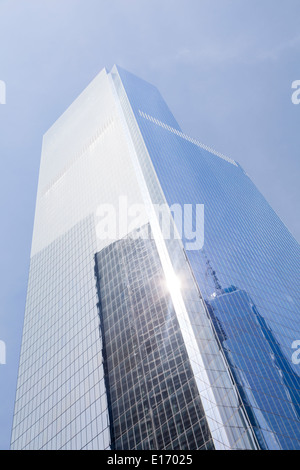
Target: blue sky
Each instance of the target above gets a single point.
(225, 67)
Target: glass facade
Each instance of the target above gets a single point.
(61, 399)
(152, 394)
(111, 357)
(247, 270)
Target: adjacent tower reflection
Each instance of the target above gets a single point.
(153, 398)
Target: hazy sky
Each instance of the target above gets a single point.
(225, 68)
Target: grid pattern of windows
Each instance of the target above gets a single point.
(249, 343)
(246, 246)
(184, 136)
(209, 367)
(153, 398)
(225, 412)
(61, 399)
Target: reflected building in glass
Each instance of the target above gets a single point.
(137, 340)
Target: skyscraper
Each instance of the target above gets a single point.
(152, 323)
